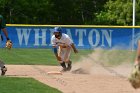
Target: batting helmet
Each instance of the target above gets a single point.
(58, 32)
(57, 29)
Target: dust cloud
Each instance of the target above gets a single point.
(104, 62)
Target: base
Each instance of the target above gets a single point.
(55, 72)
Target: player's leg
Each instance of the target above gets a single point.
(137, 61)
(69, 65)
(64, 66)
(3, 68)
(62, 63)
(67, 58)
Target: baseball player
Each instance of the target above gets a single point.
(3, 28)
(62, 45)
(134, 77)
(137, 60)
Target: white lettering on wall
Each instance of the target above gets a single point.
(37, 37)
(108, 36)
(91, 36)
(23, 34)
(81, 33)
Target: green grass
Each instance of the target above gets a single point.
(35, 56)
(119, 56)
(24, 85)
(116, 57)
(46, 56)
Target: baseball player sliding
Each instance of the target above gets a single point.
(62, 45)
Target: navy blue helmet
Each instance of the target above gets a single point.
(57, 32)
(57, 29)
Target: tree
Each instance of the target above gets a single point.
(116, 12)
(75, 11)
(25, 11)
(64, 12)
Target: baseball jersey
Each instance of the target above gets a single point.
(65, 40)
(2, 23)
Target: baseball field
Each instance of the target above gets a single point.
(94, 71)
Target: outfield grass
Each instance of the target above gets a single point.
(46, 56)
(24, 85)
(35, 56)
(117, 57)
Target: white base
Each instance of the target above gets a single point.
(55, 72)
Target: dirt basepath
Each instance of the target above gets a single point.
(100, 79)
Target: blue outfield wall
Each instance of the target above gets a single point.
(83, 37)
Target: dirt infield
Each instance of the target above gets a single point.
(99, 80)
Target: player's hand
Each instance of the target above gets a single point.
(75, 51)
(134, 77)
(59, 58)
(9, 44)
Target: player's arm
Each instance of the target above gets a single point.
(5, 33)
(54, 48)
(74, 48)
(70, 42)
(3, 26)
(56, 53)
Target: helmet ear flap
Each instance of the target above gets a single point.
(60, 33)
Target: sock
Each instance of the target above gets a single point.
(63, 64)
(2, 67)
(69, 64)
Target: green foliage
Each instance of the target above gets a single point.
(50, 11)
(25, 11)
(69, 12)
(117, 12)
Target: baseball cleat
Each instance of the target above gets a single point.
(69, 66)
(3, 70)
(64, 70)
